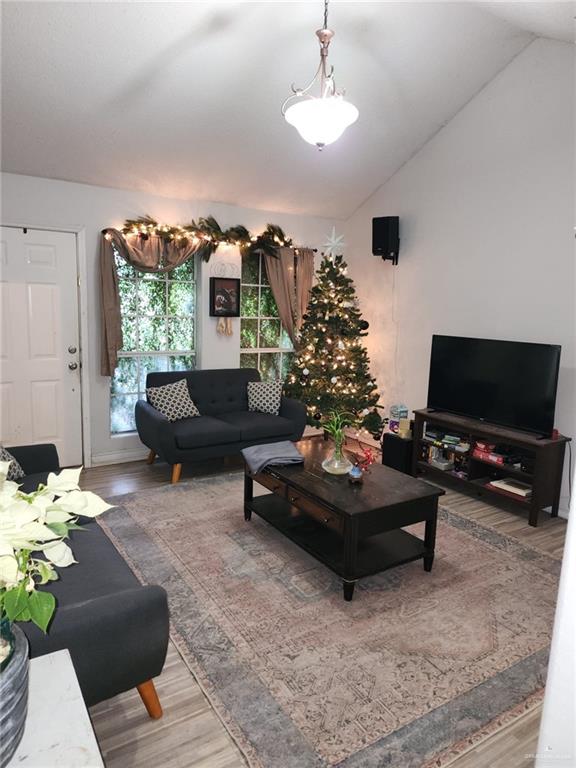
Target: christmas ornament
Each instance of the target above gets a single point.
(305, 371)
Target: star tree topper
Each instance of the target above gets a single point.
(334, 245)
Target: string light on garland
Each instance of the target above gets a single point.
(205, 235)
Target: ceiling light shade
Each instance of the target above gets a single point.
(322, 119)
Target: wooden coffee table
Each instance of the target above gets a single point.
(355, 530)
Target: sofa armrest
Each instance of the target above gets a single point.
(36, 458)
(116, 641)
(296, 412)
(154, 429)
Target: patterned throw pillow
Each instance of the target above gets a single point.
(265, 396)
(173, 400)
(15, 471)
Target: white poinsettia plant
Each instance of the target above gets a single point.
(33, 529)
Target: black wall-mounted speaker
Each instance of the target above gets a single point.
(386, 237)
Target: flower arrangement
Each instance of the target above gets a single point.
(335, 424)
(33, 529)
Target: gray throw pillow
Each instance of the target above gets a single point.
(265, 396)
(15, 471)
(173, 400)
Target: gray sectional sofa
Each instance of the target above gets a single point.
(115, 628)
(225, 425)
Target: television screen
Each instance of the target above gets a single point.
(503, 382)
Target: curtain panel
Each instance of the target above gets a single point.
(291, 275)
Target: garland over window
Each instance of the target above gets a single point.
(205, 235)
(152, 247)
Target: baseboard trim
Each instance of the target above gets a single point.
(119, 457)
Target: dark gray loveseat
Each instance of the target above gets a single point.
(225, 425)
(115, 629)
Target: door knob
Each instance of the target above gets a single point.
(72, 350)
(72, 366)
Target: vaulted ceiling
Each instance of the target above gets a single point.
(183, 98)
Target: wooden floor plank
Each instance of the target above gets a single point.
(190, 735)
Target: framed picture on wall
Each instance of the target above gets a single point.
(224, 297)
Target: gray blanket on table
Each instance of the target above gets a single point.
(259, 456)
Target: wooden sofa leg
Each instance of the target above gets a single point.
(151, 457)
(149, 696)
(176, 472)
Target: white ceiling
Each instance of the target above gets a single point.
(183, 99)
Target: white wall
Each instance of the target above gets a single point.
(486, 216)
(36, 202)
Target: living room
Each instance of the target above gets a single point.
(133, 129)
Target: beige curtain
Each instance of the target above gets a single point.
(304, 279)
(151, 255)
(280, 269)
(291, 273)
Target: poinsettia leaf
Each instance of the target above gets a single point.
(60, 529)
(16, 603)
(41, 606)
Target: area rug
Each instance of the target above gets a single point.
(412, 671)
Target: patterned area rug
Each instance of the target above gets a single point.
(408, 674)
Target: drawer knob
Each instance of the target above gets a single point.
(293, 499)
(326, 519)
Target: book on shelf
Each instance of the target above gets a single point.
(511, 485)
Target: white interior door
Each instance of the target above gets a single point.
(39, 341)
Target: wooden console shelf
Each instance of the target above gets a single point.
(546, 457)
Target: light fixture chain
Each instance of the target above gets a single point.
(325, 14)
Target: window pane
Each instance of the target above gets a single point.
(248, 360)
(125, 377)
(249, 334)
(182, 362)
(122, 413)
(250, 269)
(268, 306)
(184, 272)
(181, 298)
(264, 280)
(128, 290)
(124, 269)
(249, 302)
(270, 366)
(129, 334)
(180, 333)
(152, 297)
(269, 333)
(285, 341)
(286, 365)
(152, 333)
(151, 364)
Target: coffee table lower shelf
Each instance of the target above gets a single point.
(372, 554)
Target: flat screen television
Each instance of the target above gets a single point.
(509, 383)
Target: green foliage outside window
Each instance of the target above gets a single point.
(158, 325)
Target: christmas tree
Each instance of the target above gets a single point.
(331, 369)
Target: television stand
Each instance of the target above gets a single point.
(541, 466)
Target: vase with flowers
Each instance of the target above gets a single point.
(334, 425)
(33, 532)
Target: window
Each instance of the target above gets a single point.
(158, 314)
(264, 342)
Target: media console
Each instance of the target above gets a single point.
(539, 465)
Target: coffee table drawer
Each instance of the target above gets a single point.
(272, 483)
(312, 509)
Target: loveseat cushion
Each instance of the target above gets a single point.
(255, 426)
(203, 431)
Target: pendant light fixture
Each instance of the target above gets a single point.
(322, 119)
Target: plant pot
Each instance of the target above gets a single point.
(337, 463)
(13, 695)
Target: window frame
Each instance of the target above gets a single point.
(258, 351)
(137, 277)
